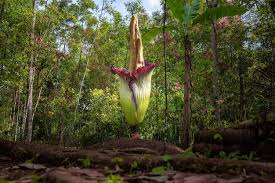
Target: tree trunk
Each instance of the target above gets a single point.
(216, 70)
(14, 109)
(273, 87)
(31, 78)
(216, 80)
(242, 94)
(17, 117)
(2, 10)
(37, 101)
(24, 122)
(187, 94)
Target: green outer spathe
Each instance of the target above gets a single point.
(142, 91)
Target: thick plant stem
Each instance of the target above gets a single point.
(187, 94)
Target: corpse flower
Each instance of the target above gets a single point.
(135, 83)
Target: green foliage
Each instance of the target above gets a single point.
(166, 157)
(113, 179)
(29, 161)
(151, 33)
(188, 153)
(134, 7)
(160, 170)
(237, 156)
(212, 14)
(177, 8)
(36, 179)
(218, 137)
(191, 10)
(134, 167)
(222, 154)
(117, 160)
(184, 12)
(86, 163)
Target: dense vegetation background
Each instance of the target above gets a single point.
(56, 85)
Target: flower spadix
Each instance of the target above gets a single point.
(135, 83)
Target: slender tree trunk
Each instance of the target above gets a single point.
(30, 104)
(61, 132)
(24, 121)
(216, 70)
(17, 117)
(31, 77)
(2, 9)
(187, 94)
(216, 80)
(14, 109)
(37, 101)
(242, 94)
(273, 87)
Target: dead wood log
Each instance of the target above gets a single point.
(227, 136)
(248, 124)
(125, 144)
(54, 155)
(266, 149)
(215, 149)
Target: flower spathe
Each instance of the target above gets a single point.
(135, 90)
(135, 83)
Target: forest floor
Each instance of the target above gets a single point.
(123, 160)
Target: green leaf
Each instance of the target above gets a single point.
(134, 165)
(212, 14)
(113, 179)
(28, 161)
(117, 160)
(222, 154)
(252, 155)
(218, 137)
(177, 8)
(36, 179)
(191, 10)
(155, 31)
(167, 157)
(86, 163)
(151, 33)
(160, 170)
(234, 155)
(188, 153)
